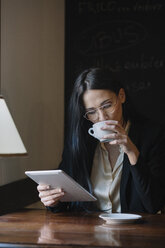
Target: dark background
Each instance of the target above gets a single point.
(128, 38)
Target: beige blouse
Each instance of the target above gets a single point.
(106, 176)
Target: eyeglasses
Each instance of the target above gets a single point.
(107, 108)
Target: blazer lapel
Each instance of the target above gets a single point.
(123, 184)
(126, 171)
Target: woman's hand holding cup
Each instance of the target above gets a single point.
(49, 197)
(120, 137)
(114, 133)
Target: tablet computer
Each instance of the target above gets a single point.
(59, 179)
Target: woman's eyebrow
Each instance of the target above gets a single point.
(108, 100)
(102, 103)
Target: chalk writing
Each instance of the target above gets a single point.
(136, 86)
(115, 6)
(109, 37)
(125, 37)
(143, 63)
(149, 6)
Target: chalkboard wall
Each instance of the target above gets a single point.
(128, 38)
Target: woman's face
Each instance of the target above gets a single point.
(104, 105)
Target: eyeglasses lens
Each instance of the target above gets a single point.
(107, 108)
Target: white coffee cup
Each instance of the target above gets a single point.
(99, 133)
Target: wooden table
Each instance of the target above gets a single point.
(41, 228)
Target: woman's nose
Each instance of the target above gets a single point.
(102, 115)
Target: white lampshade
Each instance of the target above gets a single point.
(10, 140)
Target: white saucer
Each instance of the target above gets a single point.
(120, 218)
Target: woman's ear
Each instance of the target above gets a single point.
(122, 95)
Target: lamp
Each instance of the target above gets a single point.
(10, 140)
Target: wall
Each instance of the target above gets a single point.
(32, 81)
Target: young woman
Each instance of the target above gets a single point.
(126, 174)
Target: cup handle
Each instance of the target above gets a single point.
(91, 132)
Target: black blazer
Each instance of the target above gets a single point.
(142, 186)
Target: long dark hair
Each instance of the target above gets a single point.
(80, 141)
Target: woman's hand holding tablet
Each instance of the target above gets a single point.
(49, 197)
(56, 185)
